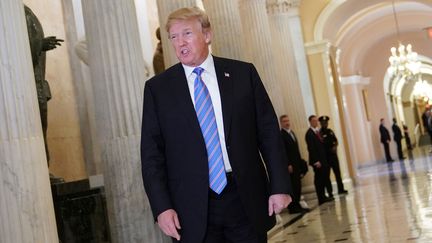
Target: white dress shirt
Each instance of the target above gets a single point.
(210, 80)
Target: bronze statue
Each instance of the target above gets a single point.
(39, 45)
(158, 59)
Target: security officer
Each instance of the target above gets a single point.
(331, 143)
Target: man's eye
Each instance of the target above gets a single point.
(172, 37)
(188, 33)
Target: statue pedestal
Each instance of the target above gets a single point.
(80, 212)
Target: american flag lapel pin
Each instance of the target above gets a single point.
(227, 75)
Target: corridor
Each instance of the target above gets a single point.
(390, 203)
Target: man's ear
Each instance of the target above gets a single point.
(208, 36)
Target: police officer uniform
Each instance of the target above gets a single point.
(331, 143)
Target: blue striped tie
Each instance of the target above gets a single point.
(207, 120)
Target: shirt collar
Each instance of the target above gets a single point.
(315, 129)
(207, 65)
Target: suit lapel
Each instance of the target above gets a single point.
(225, 81)
(184, 101)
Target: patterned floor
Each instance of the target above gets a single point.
(388, 204)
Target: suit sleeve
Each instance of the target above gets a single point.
(286, 148)
(311, 146)
(152, 157)
(269, 139)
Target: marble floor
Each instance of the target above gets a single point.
(390, 203)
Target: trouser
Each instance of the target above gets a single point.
(334, 164)
(399, 148)
(227, 220)
(387, 152)
(296, 189)
(321, 179)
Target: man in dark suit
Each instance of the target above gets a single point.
(385, 140)
(427, 123)
(331, 143)
(318, 159)
(295, 164)
(397, 137)
(207, 122)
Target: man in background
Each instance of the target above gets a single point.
(331, 143)
(318, 159)
(397, 137)
(296, 164)
(385, 140)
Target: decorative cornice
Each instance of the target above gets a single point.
(281, 6)
(355, 79)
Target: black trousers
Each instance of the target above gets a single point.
(399, 148)
(321, 178)
(296, 189)
(334, 165)
(387, 152)
(227, 221)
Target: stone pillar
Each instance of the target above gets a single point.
(297, 93)
(26, 206)
(327, 90)
(258, 41)
(165, 7)
(227, 30)
(116, 67)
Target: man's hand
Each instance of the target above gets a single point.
(169, 223)
(277, 202)
(50, 42)
(290, 169)
(317, 164)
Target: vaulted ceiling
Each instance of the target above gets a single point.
(365, 30)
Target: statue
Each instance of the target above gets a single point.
(39, 45)
(158, 59)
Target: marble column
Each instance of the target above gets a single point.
(258, 42)
(296, 92)
(227, 30)
(165, 7)
(26, 207)
(116, 68)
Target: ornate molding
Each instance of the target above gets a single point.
(281, 6)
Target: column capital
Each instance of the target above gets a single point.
(281, 6)
(317, 47)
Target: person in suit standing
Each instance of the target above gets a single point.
(295, 164)
(385, 140)
(427, 123)
(318, 160)
(207, 122)
(331, 143)
(397, 137)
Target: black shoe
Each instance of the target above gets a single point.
(306, 210)
(343, 192)
(324, 200)
(295, 210)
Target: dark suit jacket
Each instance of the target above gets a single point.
(397, 133)
(385, 135)
(316, 149)
(291, 149)
(173, 151)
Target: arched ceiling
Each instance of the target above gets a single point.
(357, 27)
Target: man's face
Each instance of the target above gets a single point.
(324, 124)
(314, 122)
(285, 123)
(189, 41)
